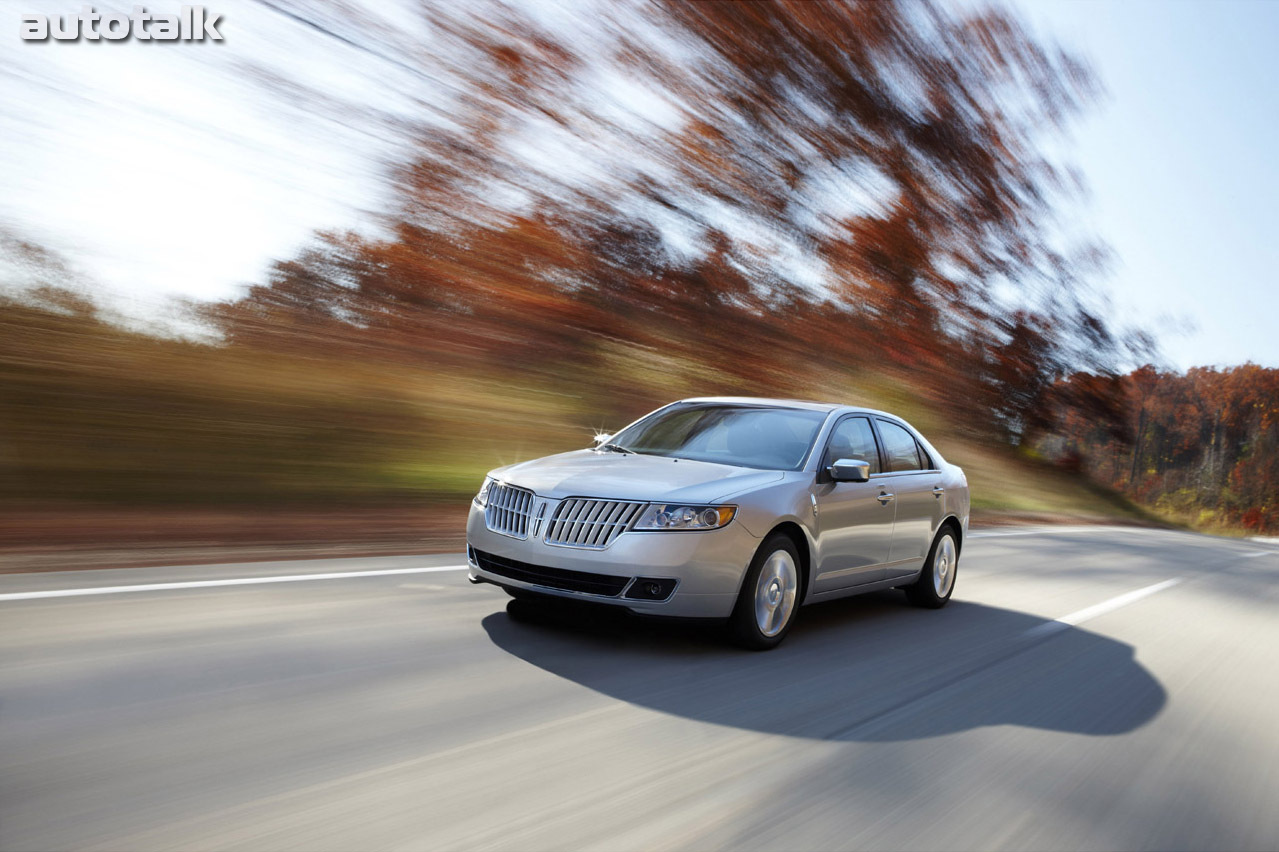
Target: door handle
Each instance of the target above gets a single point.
(885, 498)
(938, 491)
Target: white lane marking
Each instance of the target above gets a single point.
(1089, 529)
(237, 581)
(1091, 612)
(1257, 553)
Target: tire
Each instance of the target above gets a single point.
(769, 597)
(532, 607)
(936, 582)
(538, 609)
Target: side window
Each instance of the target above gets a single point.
(852, 438)
(925, 460)
(900, 450)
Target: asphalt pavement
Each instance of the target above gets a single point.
(1087, 688)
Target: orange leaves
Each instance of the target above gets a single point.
(1210, 436)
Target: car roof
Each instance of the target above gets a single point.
(807, 405)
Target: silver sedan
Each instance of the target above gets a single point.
(733, 508)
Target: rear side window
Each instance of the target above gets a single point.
(900, 450)
(852, 438)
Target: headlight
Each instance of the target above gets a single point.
(482, 498)
(677, 516)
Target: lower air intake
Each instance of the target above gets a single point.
(551, 578)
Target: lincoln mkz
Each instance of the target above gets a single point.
(731, 508)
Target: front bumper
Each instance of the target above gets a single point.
(707, 567)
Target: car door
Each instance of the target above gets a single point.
(854, 523)
(916, 488)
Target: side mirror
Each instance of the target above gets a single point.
(602, 438)
(850, 470)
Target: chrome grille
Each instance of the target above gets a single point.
(593, 524)
(508, 510)
(537, 521)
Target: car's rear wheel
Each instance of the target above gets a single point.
(769, 597)
(936, 582)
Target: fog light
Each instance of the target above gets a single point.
(651, 589)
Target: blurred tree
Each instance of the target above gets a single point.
(741, 184)
(1201, 445)
(595, 214)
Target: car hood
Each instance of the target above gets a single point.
(587, 473)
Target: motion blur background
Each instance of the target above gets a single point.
(297, 291)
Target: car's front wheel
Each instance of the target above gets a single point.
(769, 597)
(937, 581)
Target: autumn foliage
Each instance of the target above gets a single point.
(781, 194)
(843, 200)
(1201, 446)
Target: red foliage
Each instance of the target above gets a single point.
(891, 149)
(1205, 439)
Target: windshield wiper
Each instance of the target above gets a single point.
(616, 448)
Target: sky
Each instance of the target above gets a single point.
(161, 170)
(1181, 163)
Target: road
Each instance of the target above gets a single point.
(1089, 688)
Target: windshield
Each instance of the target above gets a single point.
(743, 435)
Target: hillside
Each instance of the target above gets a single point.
(122, 448)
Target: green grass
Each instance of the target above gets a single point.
(93, 414)
(1005, 481)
